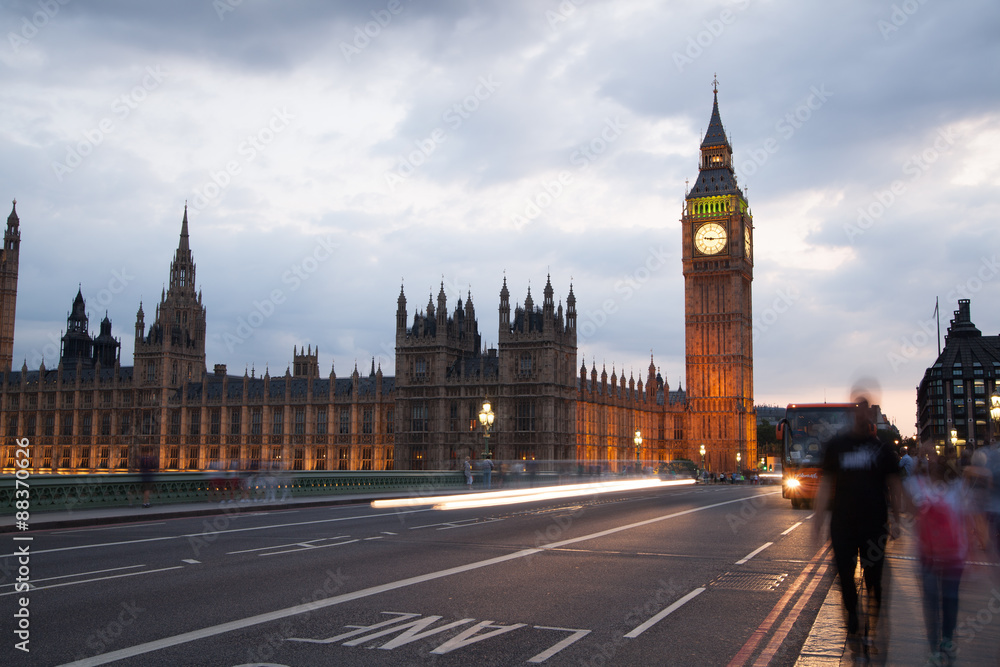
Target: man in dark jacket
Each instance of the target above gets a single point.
(859, 485)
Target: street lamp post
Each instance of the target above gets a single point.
(702, 450)
(954, 439)
(739, 456)
(486, 418)
(638, 443)
(994, 414)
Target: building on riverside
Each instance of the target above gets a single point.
(94, 413)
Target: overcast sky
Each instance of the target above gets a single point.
(331, 152)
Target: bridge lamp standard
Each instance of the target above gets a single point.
(994, 413)
(486, 417)
(638, 444)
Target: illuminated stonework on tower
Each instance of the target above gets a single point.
(717, 237)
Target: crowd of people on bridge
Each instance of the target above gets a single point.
(947, 502)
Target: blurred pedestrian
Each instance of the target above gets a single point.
(993, 503)
(978, 480)
(858, 486)
(147, 473)
(487, 468)
(467, 470)
(939, 501)
(906, 464)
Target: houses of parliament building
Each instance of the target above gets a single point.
(93, 413)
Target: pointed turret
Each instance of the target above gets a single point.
(77, 320)
(716, 176)
(182, 268)
(548, 300)
(106, 346)
(401, 311)
(504, 307)
(716, 134)
(9, 259)
(571, 309)
(442, 310)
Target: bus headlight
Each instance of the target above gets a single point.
(792, 483)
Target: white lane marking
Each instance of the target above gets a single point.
(792, 528)
(309, 547)
(83, 574)
(115, 527)
(753, 553)
(239, 624)
(464, 523)
(280, 546)
(87, 581)
(666, 612)
(219, 532)
(191, 561)
(471, 636)
(548, 653)
(377, 537)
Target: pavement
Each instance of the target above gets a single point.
(899, 639)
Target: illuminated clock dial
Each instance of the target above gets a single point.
(710, 239)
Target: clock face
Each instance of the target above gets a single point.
(710, 239)
(746, 240)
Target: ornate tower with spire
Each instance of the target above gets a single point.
(172, 351)
(717, 239)
(8, 287)
(77, 345)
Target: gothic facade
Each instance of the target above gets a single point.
(92, 413)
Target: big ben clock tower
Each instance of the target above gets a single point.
(717, 232)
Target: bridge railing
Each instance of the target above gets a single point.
(68, 492)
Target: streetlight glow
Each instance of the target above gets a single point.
(486, 418)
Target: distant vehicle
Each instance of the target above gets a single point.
(803, 434)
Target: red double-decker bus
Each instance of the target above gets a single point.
(803, 435)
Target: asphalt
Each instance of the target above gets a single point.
(899, 639)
